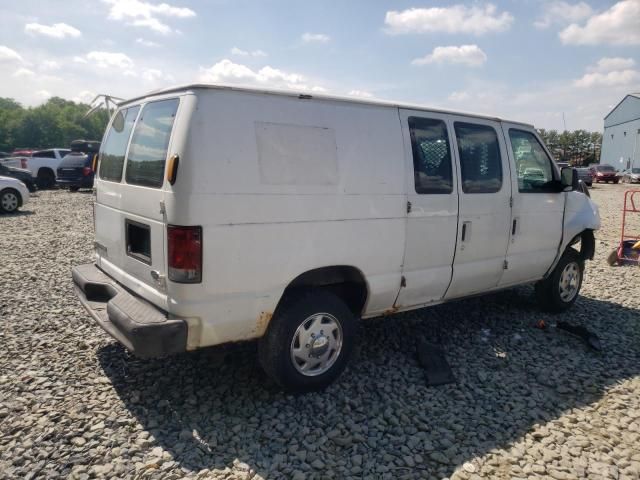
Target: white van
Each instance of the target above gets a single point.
(229, 214)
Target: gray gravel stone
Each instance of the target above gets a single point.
(528, 403)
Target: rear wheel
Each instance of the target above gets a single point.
(46, 178)
(308, 342)
(9, 200)
(74, 189)
(560, 290)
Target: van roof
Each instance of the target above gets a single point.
(314, 95)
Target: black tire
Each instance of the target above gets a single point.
(45, 179)
(74, 189)
(615, 182)
(548, 290)
(275, 347)
(10, 200)
(589, 184)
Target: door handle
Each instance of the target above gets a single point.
(466, 231)
(513, 227)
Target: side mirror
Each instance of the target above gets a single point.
(569, 179)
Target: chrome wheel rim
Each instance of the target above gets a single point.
(9, 201)
(569, 281)
(316, 344)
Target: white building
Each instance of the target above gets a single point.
(621, 138)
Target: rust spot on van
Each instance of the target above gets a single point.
(263, 322)
(391, 311)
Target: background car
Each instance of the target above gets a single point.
(631, 175)
(44, 164)
(604, 173)
(584, 174)
(76, 169)
(13, 194)
(21, 174)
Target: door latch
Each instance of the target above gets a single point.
(409, 207)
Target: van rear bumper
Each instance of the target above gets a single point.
(135, 323)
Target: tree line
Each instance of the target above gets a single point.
(53, 124)
(578, 148)
(58, 121)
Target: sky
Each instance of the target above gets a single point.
(529, 60)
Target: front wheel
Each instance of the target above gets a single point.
(9, 200)
(308, 342)
(559, 291)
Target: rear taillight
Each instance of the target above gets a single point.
(185, 254)
(86, 171)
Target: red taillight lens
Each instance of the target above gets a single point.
(86, 171)
(185, 254)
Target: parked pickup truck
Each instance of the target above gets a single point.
(226, 214)
(44, 164)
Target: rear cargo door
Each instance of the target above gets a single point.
(129, 214)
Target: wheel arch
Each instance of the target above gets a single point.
(345, 281)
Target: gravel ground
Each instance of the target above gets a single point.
(527, 403)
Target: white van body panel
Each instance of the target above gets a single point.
(262, 230)
(283, 184)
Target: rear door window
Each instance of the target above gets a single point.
(431, 156)
(480, 163)
(115, 146)
(149, 144)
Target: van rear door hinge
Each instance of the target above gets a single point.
(511, 202)
(408, 207)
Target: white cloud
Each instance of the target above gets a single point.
(57, 30)
(246, 53)
(609, 72)
(361, 93)
(146, 43)
(85, 96)
(144, 14)
(23, 72)
(315, 38)
(152, 74)
(9, 55)
(610, 79)
(470, 55)
(43, 94)
(610, 64)
(476, 20)
(50, 65)
(619, 25)
(107, 60)
(226, 71)
(560, 12)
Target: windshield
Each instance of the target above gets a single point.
(605, 168)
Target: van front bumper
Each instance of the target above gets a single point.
(138, 325)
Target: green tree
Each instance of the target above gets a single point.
(53, 124)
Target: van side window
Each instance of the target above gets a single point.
(480, 163)
(149, 143)
(533, 165)
(431, 156)
(115, 146)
